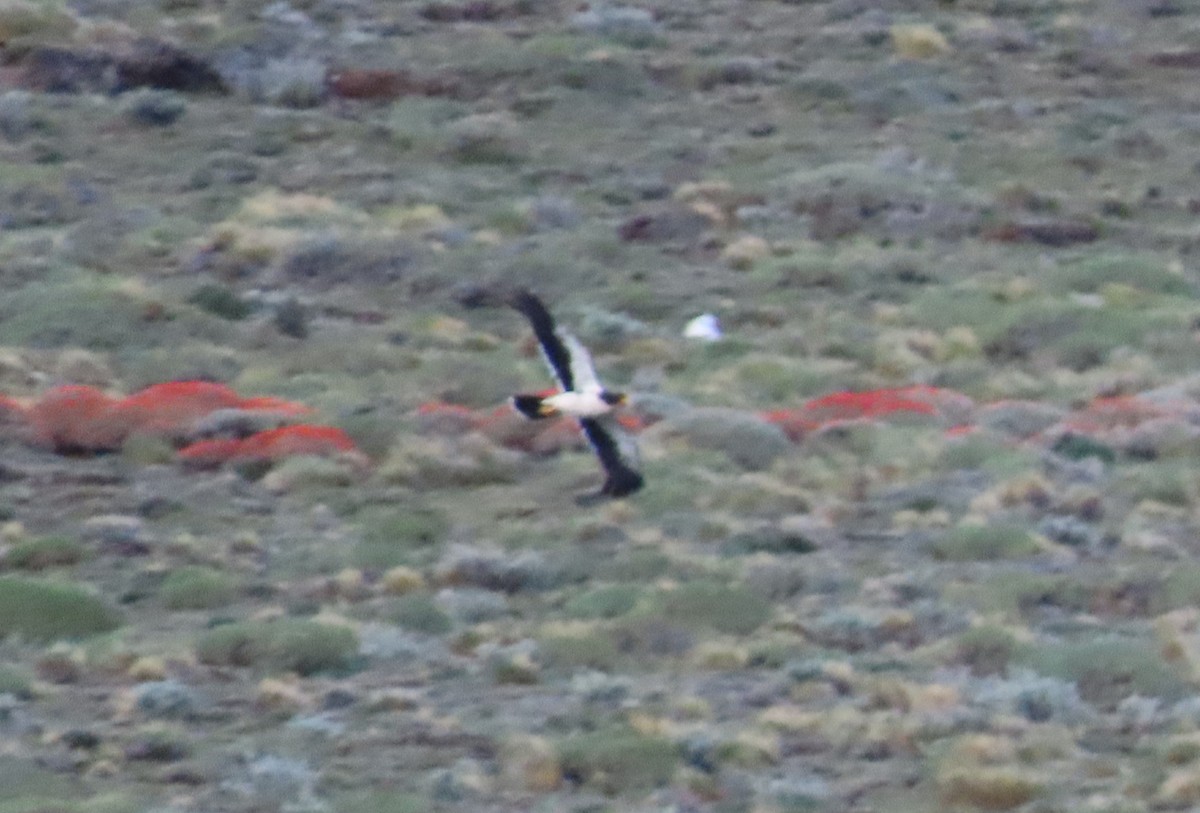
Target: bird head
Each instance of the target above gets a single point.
(614, 398)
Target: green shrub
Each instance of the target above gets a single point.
(639, 564)
(15, 681)
(284, 645)
(1021, 593)
(1180, 588)
(971, 543)
(767, 379)
(1091, 274)
(45, 552)
(1081, 447)
(197, 588)
(1107, 670)
(609, 601)
(986, 650)
(593, 649)
(419, 612)
(988, 452)
(83, 311)
(381, 801)
(733, 610)
(220, 300)
(391, 537)
(1172, 482)
(618, 760)
(35, 22)
(44, 610)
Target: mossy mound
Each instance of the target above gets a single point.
(44, 610)
(286, 645)
(197, 588)
(618, 761)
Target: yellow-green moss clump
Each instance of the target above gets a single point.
(197, 588)
(286, 645)
(618, 760)
(970, 543)
(44, 610)
(45, 552)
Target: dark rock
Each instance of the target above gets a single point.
(157, 64)
(149, 63)
(768, 539)
(1186, 58)
(166, 699)
(338, 699)
(155, 749)
(291, 319)
(80, 738)
(471, 11)
(1081, 447)
(186, 774)
(700, 751)
(1053, 233)
(54, 69)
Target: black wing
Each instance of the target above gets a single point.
(553, 348)
(621, 478)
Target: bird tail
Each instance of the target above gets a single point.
(532, 406)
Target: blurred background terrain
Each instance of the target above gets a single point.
(919, 528)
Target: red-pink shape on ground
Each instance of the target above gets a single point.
(174, 407)
(273, 444)
(842, 406)
(77, 418)
(867, 404)
(211, 452)
(267, 403)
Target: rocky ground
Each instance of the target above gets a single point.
(824, 599)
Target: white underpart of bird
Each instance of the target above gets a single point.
(586, 404)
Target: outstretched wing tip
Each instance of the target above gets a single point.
(555, 351)
(621, 477)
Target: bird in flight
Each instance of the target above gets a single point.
(580, 395)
